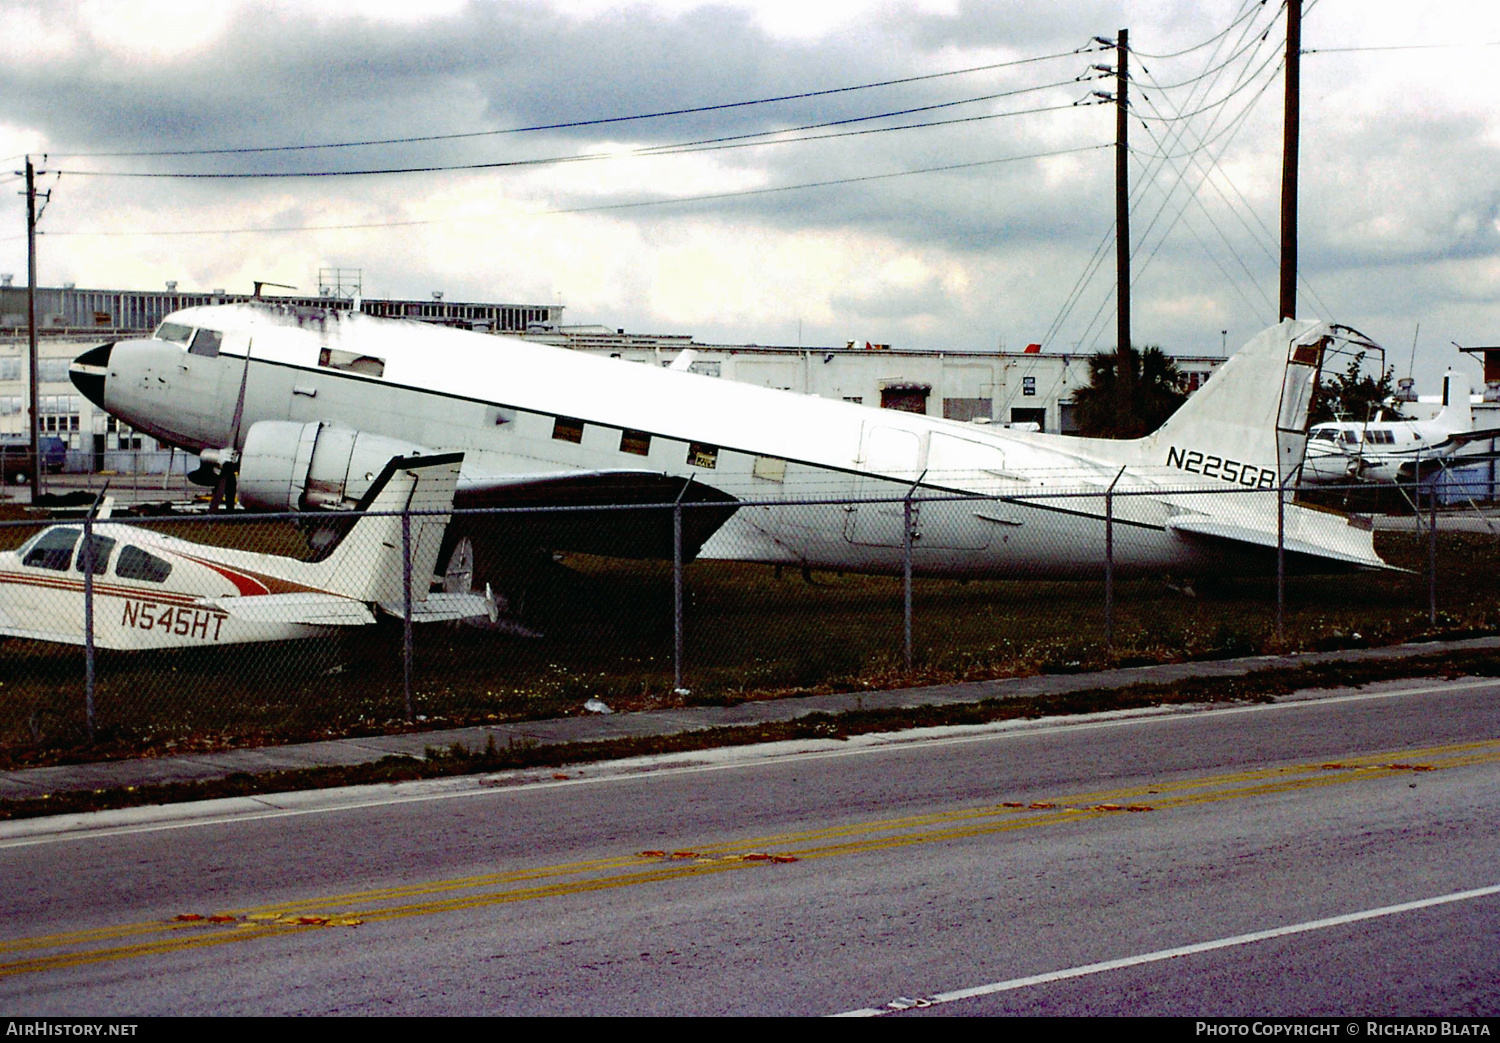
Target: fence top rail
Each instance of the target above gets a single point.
(254, 517)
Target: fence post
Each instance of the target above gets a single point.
(1432, 555)
(906, 539)
(88, 620)
(677, 594)
(1109, 567)
(406, 609)
(1281, 566)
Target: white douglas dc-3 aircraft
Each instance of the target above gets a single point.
(301, 407)
(1393, 450)
(156, 591)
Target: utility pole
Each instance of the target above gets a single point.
(32, 418)
(1289, 160)
(1125, 375)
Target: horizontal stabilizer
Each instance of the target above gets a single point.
(1213, 528)
(445, 607)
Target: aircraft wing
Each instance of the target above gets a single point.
(1465, 437)
(56, 636)
(634, 533)
(310, 609)
(1206, 528)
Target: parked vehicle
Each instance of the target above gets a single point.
(16, 464)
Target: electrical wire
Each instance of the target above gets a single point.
(1248, 13)
(1176, 131)
(676, 150)
(601, 121)
(594, 209)
(1404, 47)
(1097, 258)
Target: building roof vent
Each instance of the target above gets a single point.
(171, 285)
(6, 277)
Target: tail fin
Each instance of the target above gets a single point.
(1248, 425)
(1457, 414)
(366, 564)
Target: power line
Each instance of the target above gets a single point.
(601, 121)
(1403, 47)
(707, 145)
(1254, 44)
(1249, 12)
(599, 208)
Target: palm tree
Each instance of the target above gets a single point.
(1112, 408)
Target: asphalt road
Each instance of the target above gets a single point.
(1322, 856)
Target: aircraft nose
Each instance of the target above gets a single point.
(88, 372)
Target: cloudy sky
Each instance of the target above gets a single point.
(961, 210)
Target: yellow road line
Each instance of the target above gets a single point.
(489, 889)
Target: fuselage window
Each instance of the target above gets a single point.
(701, 455)
(206, 343)
(135, 563)
(637, 442)
(53, 549)
(175, 332)
(565, 429)
(351, 362)
(103, 547)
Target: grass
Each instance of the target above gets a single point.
(1257, 686)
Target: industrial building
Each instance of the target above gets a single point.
(988, 387)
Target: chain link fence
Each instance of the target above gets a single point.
(183, 632)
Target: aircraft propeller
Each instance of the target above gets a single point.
(226, 461)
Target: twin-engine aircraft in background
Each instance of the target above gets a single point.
(151, 590)
(300, 408)
(1394, 450)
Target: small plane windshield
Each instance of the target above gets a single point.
(52, 549)
(175, 332)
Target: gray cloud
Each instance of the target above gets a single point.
(1399, 213)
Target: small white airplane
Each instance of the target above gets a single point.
(299, 407)
(1392, 450)
(151, 590)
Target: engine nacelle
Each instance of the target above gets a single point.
(292, 466)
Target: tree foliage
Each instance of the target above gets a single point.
(1111, 408)
(1353, 394)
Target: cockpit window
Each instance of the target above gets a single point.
(53, 549)
(135, 563)
(1325, 434)
(206, 342)
(174, 332)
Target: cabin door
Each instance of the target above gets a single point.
(889, 462)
